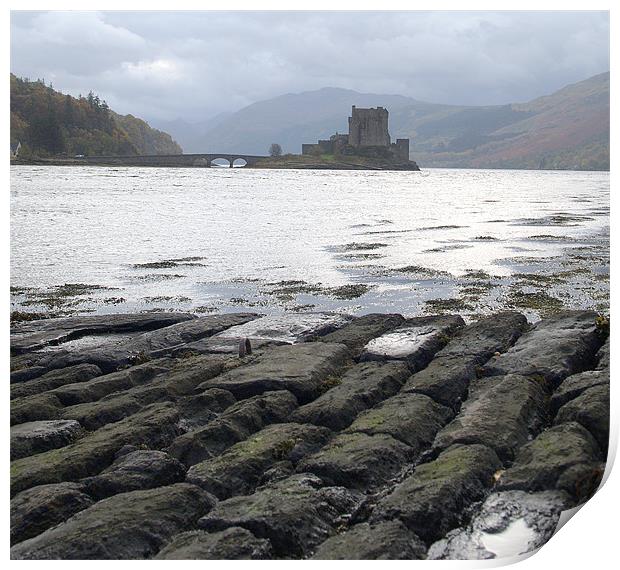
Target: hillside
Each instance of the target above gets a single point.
(568, 129)
(49, 123)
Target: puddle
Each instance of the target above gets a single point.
(512, 541)
(90, 341)
(290, 328)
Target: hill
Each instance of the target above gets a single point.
(568, 129)
(49, 123)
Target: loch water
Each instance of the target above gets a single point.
(102, 239)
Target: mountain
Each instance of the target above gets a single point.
(292, 119)
(568, 129)
(49, 123)
(189, 135)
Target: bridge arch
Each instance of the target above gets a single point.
(221, 162)
(239, 162)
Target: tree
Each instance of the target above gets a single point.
(275, 150)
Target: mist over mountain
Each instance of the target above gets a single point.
(568, 129)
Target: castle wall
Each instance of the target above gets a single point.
(369, 127)
(401, 149)
(368, 136)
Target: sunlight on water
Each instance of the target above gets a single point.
(218, 231)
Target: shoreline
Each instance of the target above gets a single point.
(52, 162)
(295, 162)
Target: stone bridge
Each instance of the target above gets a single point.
(191, 160)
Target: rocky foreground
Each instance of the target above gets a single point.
(302, 436)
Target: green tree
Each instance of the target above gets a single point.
(275, 150)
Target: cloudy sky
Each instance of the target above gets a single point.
(191, 65)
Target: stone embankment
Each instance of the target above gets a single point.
(318, 436)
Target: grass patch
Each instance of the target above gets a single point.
(159, 276)
(25, 316)
(360, 256)
(539, 301)
(363, 246)
(170, 263)
(445, 305)
(166, 298)
(287, 290)
(348, 292)
(448, 227)
(477, 274)
(421, 271)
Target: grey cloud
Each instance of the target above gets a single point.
(195, 64)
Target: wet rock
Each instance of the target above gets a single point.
(591, 410)
(295, 514)
(300, 369)
(541, 463)
(288, 328)
(389, 540)
(481, 340)
(555, 348)
(162, 387)
(413, 419)
(236, 424)
(44, 406)
(362, 330)
(97, 388)
(36, 437)
(94, 415)
(358, 460)
(188, 373)
(140, 469)
(33, 335)
(197, 411)
(221, 345)
(416, 342)
(602, 357)
(128, 526)
(446, 379)
(35, 510)
(582, 480)
(238, 470)
(576, 384)
(360, 388)
(502, 412)
(160, 342)
(430, 502)
(154, 426)
(55, 379)
(508, 524)
(112, 356)
(280, 470)
(24, 374)
(231, 544)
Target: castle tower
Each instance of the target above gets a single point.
(369, 127)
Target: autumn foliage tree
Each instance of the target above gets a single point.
(50, 123)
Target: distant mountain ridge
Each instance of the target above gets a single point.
(50, 123)
(568, 129)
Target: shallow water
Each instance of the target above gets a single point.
(467, 241)
(512, 541)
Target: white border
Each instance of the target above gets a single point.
(588, 540)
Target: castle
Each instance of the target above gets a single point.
(368, 136)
